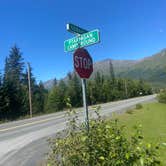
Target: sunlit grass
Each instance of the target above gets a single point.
(152, 117)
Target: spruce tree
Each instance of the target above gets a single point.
(74, 90)
(14, 66)
(39, 95)
(13, 76)
(56, 98)
(111, 70)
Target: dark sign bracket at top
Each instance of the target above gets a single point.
(75, 29)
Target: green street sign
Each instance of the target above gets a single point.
(75, 29)
(83, 40)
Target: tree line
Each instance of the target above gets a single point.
(100, 89)
(14, 101)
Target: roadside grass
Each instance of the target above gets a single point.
(152, 117)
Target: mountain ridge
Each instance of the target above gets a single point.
(151, 69)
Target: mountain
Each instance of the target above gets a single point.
(151, 69)
(118, 66)
(49, 84)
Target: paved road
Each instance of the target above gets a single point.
(24, 142)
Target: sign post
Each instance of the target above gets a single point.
(85, 103)
(83, 63)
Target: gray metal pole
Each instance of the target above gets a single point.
(85, 104)
(84, 100)
(29, 88)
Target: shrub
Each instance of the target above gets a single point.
(129, 111)
(104, 145)
(139, 106)
(162, 96)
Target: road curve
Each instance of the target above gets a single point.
(24, 142)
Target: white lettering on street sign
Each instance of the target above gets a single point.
(83, 40)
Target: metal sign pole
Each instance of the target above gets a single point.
(75, 43)
(85, 104)
(84, 101)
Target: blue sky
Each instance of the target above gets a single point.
(130, 29)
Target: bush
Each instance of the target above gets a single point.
(138, 106)
(129, 111)
(104, 145)
(162, 96)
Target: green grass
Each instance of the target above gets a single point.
(152, 117)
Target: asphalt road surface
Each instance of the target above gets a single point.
(24, 142)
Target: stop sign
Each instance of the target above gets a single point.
(83, 63)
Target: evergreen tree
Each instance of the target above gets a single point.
(55, 82)
(74, 90)
(14, 101)
(12, 95)
(111, 70)
(69, 76)
(1, 98)
(56, 98)
(37, 93)
(14, 66)
(4, 101)
(91, 92)
(39, 97)
(99, 80)
(13, 76)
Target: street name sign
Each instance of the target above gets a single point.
(75, 29)
(83, 40)
(83, 63)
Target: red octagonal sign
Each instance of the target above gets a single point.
(83, 63)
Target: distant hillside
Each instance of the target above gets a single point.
(118, 66)
(50, 83)
(152, 69)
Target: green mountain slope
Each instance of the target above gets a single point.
(118, 66)
(151, 69)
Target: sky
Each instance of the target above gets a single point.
(129, 29)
